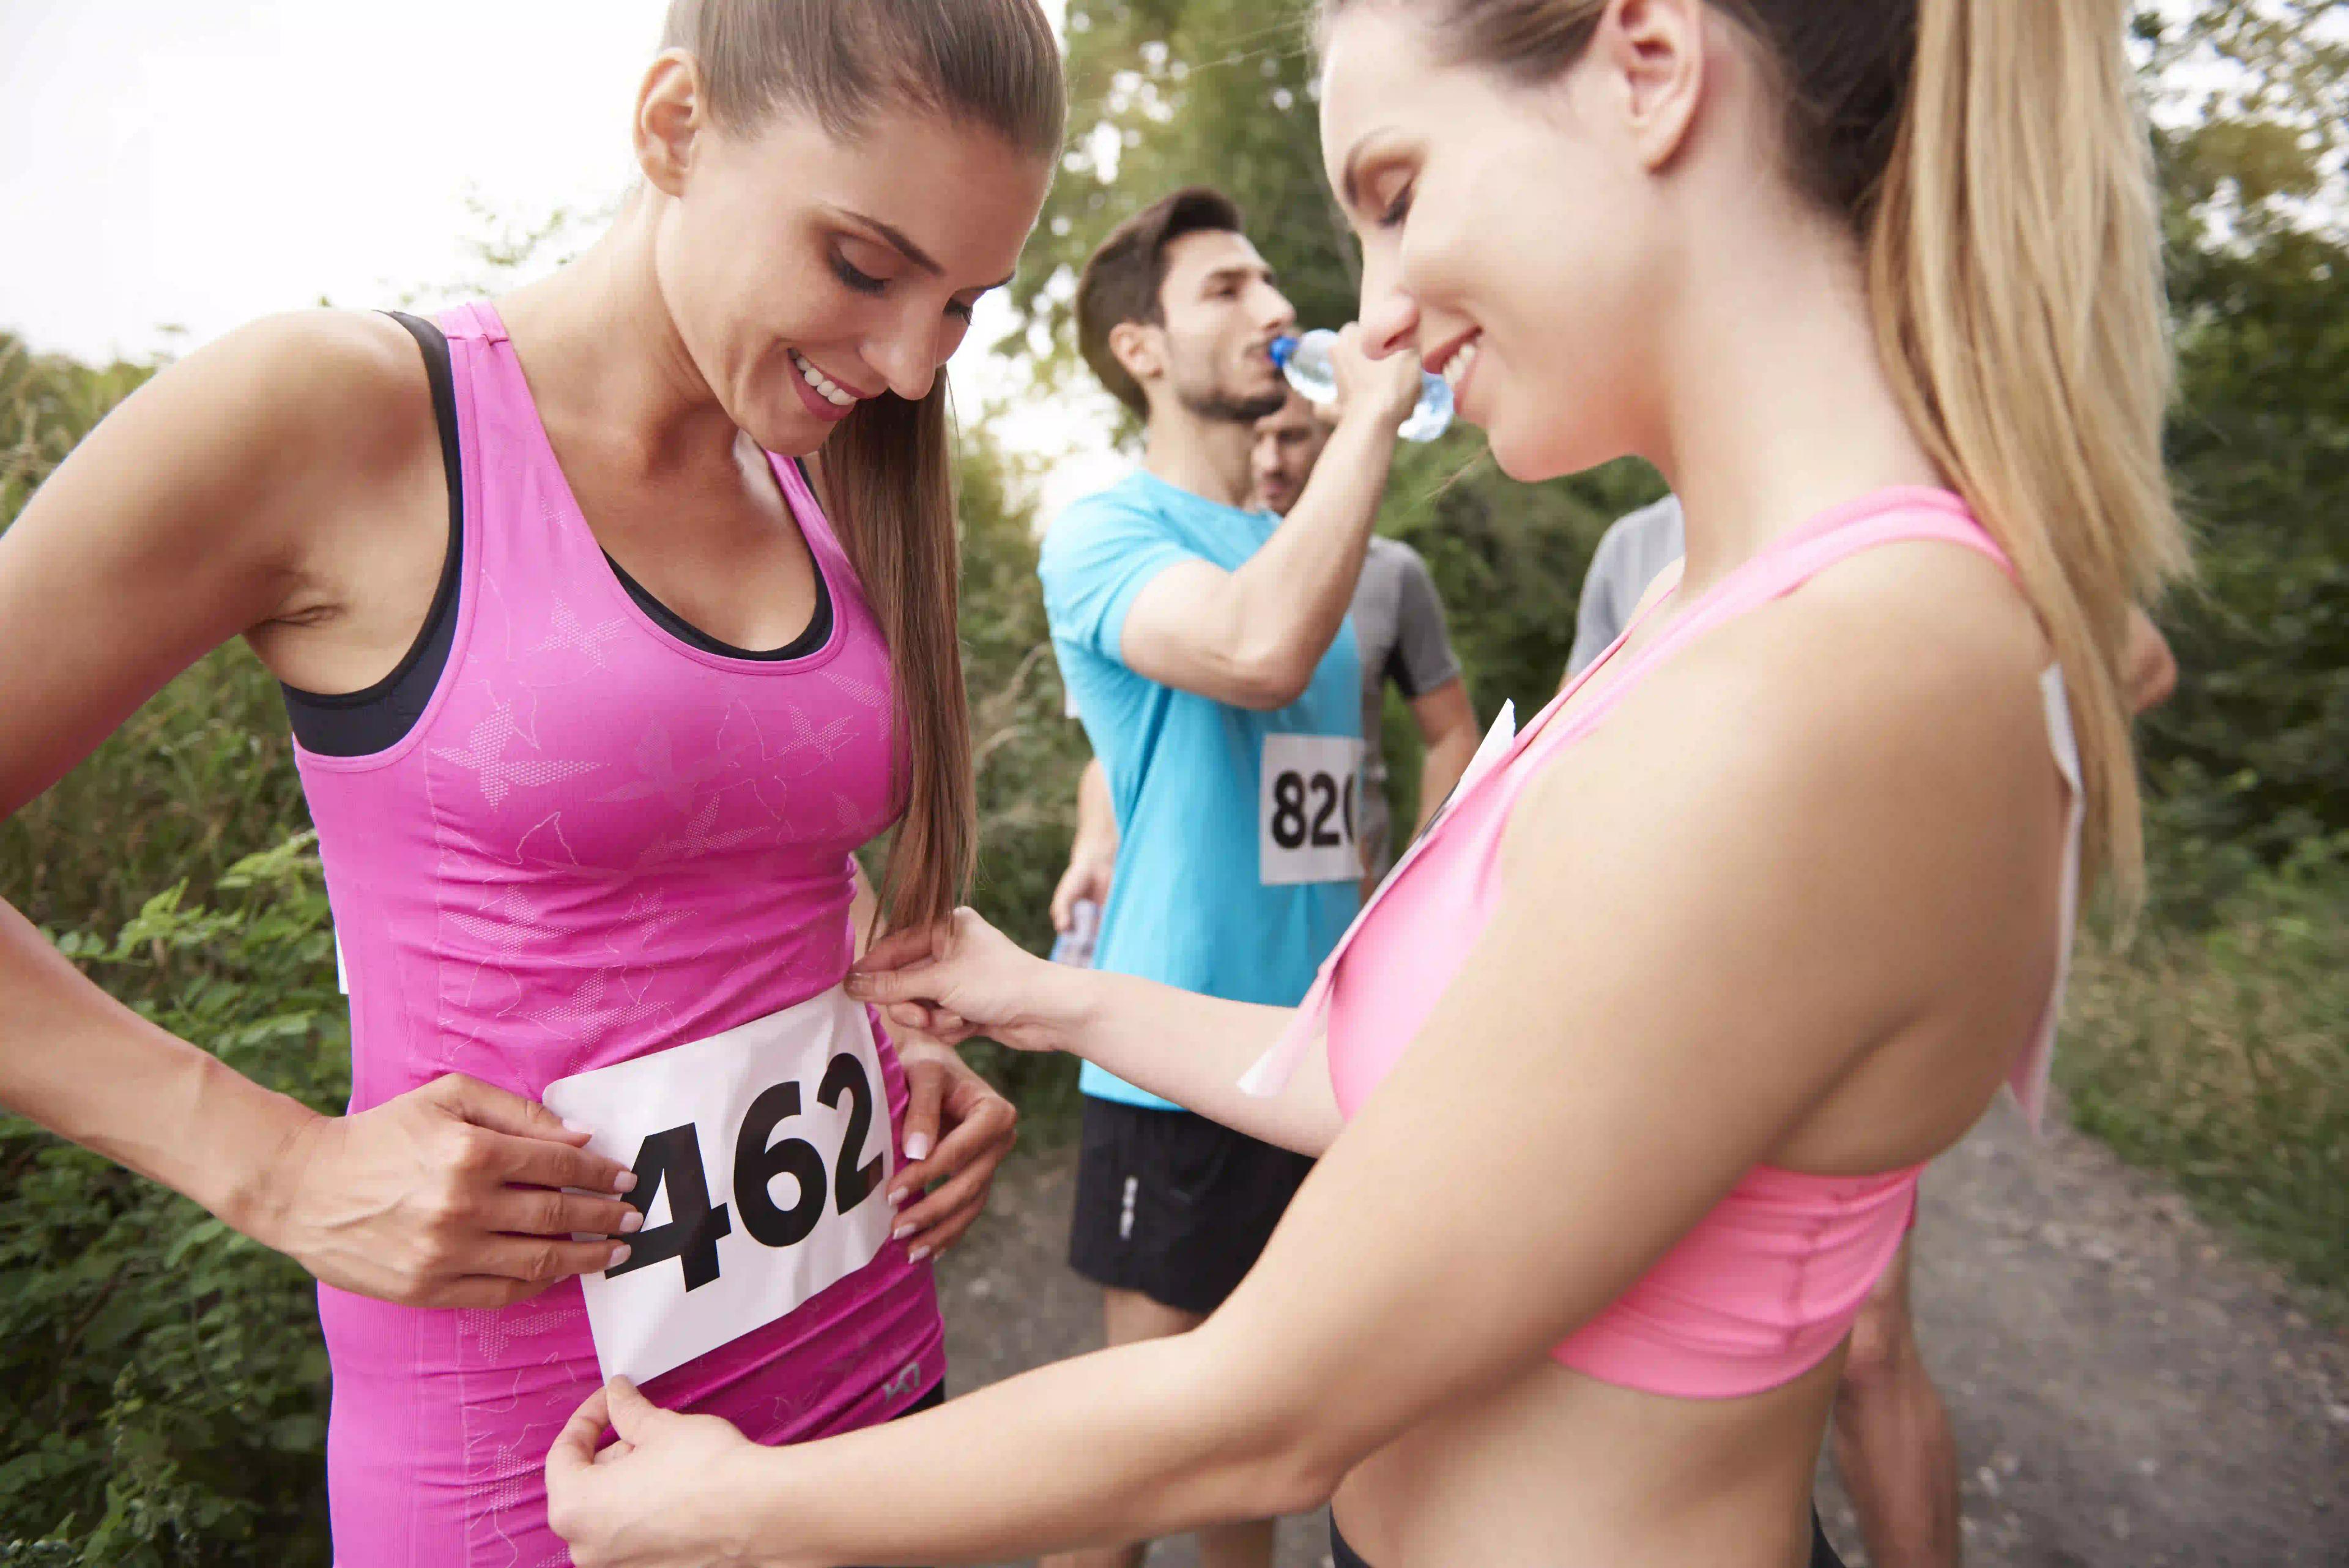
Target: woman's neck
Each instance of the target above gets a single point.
(602, 351)
(1778, 406)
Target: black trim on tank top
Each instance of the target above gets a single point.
(361, 724)
(811, 641)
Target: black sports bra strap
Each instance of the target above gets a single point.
(361, 724)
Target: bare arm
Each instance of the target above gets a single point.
(1092, 853)
(191, 514)
(1393, 1250)
(969, 977)
(1447, 723)
(2151, 669)
(1253, 637)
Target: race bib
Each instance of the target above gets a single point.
(1305, 809)
(762, 1158)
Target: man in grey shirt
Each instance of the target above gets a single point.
(1638, 545)
(1399, 629)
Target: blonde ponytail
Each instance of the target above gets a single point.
(2014, 273)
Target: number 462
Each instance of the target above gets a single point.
(672, 1157)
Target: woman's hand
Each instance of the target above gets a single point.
(450, 1195)
(980, 1126)
(654, 1498)
(960, 978)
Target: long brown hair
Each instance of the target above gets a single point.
(1990, 158)
(887, 473)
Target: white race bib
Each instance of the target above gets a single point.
(1305, 803)
(762, 1158)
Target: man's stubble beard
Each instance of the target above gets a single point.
(1214, 403)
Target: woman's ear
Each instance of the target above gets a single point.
(1654, 53)
(671, 113)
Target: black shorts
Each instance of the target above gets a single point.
(1823, 1553)
(1172, 1205)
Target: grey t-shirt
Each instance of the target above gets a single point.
(1399, 626)
(1638, 545)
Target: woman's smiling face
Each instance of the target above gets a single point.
(1508, 233)
(806, 271)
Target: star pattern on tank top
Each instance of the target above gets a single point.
(866, 692)
(504, 925)
(835, 736)
(483, 755)
(599, 1004)
(657, 774)
(565, 630)
(697, 837)
(497, 1329)
(650, 917)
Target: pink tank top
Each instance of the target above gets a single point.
(599, 841)
(1767, 1285)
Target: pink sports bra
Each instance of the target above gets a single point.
(1767, 1284)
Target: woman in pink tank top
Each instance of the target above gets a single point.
(1622, 1085)
(594, 703)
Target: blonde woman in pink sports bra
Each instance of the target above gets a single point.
(595, 693)
(1622, 1086)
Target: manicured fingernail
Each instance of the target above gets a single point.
(901, 1232)
(619, 1256)
(570, 1125)
(917, 1254)
(917, 1146)
(631, 1222)
(624, 1182)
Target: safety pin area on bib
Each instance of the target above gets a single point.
(762, 1158)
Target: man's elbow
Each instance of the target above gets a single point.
(1264, 692)
(1268, 678)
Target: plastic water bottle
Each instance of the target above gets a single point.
(1075, 945)
(1306, 362)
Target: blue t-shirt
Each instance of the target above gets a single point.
(1198, 831)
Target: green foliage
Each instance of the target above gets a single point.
(47, 403)
(162, 1384)
(2248, 755)
(2215, 1055)
(1026, 753)
(2244, 764)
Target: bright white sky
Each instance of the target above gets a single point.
(194, 166)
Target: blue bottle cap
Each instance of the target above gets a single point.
(1280, 351)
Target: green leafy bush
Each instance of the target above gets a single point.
(2217, 1056)
(162, 1383)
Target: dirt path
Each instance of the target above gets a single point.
(2128, 1389)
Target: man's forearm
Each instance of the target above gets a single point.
(1096, 813)
(1439, 771)
(1294, 592)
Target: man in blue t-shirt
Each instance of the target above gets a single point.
(1206, 648)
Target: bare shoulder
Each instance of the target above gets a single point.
(351, 380)
(1888, 707)
(241, 454)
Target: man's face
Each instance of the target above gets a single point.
(1288, 444)
(1222, 313)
